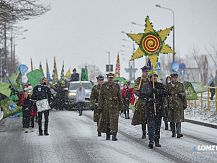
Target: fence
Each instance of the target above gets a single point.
(204, 98)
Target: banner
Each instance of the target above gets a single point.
(9, 107)
(34, 77)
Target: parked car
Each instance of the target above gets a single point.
(72, 93)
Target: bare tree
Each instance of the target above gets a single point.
(12, 12)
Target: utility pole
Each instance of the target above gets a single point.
(5, 50)
(131, 70)
(12, 62)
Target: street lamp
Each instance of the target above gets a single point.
(171, 10)
(134, 23)
(131, 70)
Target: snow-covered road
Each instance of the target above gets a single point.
(73, 139)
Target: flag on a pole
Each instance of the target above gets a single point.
(47, 72)
(55, 73)
(117, 68)
(41, 69)
(62, 73)
(84, 74)
(19, 79)
(32, 65)
(149, 64)
(34, 77)
(68, 74)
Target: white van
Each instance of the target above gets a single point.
(72, 91)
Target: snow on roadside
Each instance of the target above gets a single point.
(202, 114)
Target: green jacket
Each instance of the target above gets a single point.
(110, 103)
(177, 102)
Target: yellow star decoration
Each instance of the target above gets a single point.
(151, 43)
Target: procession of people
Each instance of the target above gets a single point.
(153, 102)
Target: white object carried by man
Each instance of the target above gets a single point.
(42, 105)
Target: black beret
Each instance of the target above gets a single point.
(100, 77)
(145, 68)
(110, 75)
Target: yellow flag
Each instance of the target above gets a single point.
(68, 74)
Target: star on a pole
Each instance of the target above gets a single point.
(151, 43)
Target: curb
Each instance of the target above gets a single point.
(201, 123)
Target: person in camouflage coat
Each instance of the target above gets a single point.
(177, 105)
(139, 116)
(94, 99)
(110, 104)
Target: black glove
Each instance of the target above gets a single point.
(91, 108)
(99, 111)
(155, 100)
(155, 90)
(137, 93)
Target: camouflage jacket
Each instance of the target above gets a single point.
(140, 81)
(94, 97)
(176, 101)
(110, 97)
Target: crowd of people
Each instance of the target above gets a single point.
(153, 101)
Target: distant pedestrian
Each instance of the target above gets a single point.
(212, 89)
(128, 98)
(80, 98)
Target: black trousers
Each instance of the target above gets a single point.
(46, 115)
(32, 121)
(26, 118)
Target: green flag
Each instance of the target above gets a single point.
(35, 77)
(4, 89)
(84, 74)
(189, 90)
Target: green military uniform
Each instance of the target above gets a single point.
(139, 116)
(177, 102)
(94, 101)
(110, 104)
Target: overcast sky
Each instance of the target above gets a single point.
(82, 31)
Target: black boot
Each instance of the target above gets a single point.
(114, 137)
(179, 135)
(173, 134)
(144, 135)
(99, 134)
(166, 125)
(128, 116)
(107, 136)
(40, 133)
(157, 144)
(150, 146)
(46, 133)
